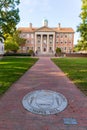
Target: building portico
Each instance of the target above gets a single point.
(44, 42)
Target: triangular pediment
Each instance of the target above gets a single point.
(44, 29)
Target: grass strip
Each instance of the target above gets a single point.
(75, 69)
(12, 68)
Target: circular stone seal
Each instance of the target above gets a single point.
(44, 102)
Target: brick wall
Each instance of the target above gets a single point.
(77, 55)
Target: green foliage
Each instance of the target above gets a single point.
(18, 39)
(58, 50)
(82, 28)
(31, 52)
(83, 14)
(76, 48)
(9, 16)
(11, 44)
(11, 69)
(75, 69)
(80, 46)
(16, 54)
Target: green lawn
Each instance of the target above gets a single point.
(75, 69)
(11, 68)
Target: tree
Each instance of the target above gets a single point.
(58, 51)
(78, 46)
(9, 16)
(82, 28)
(31, 52)
(20, 41)
(11, 44)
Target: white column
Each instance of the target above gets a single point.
(47, 43)
(53, 42)
(35, 42)
(41, 43)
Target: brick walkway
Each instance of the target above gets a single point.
(43, 75)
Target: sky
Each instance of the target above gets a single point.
(65, 12)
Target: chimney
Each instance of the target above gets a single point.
(59, 25)
(30, 25)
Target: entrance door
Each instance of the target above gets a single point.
(44, 49)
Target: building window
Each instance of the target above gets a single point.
(27, 48)
(65, 48)
(38, 49)
(61, 35)
(24, 48)
(51, 37)
(27, 35)
(57, 35)
(70, 42)
(50, 49)
(61, 42)
(70, 35)
(32, 35)
(38, 41)
(32, 41)
(57, 41)
(38, 37)
(66, 36)
(24, 35)
(28, 41)
(51, 41)
(44, 37)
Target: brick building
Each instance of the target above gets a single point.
(45, 40)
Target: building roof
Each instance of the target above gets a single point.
(27, 29)
(45, 29)
(64, 30)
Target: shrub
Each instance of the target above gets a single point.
(31, 52)
(58, 52)
(16, 54)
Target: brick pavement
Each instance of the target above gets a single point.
(43, 75)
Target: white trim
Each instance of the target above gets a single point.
(1, 46)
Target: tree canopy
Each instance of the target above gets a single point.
(9, 16)
(82, 28)
(12, 42)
